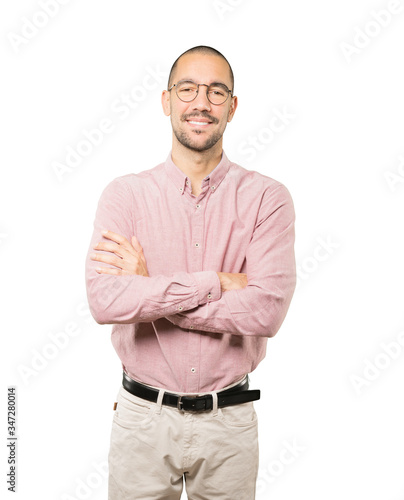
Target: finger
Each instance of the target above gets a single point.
(107, 259)
(136, 245)
(114, 237)
(115, 248)
(109, 270)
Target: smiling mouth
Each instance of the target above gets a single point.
(199, 123)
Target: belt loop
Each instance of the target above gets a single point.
(214, 397)
(159, 401)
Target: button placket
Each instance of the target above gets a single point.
(196, 265)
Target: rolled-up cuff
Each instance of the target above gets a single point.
(208, 284)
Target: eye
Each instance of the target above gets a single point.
(217, 91)
(186, 88)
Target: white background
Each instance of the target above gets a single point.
(329, 388)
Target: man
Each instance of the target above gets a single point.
(193, 263)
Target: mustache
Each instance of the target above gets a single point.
(199, 115)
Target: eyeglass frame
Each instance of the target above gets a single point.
(226, 89)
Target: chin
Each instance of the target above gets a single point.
(190, 142)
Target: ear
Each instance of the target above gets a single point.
(233, 107)
(165, 101)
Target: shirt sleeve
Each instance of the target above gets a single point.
(260, 308)
(133, 298)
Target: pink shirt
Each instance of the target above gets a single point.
(176, 329)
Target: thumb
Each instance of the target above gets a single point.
(136, 244)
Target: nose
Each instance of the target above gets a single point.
(201, 101)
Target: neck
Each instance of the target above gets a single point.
(196, 165)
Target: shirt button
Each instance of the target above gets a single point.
(209, 295)
(180, 308)
(197, 245)
(187, 183)
(193, 370)
(181, 189)
(191, 327)
(212, 188)
(198, 206)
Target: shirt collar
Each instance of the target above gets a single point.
(213, 180)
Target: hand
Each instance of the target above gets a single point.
(232, 281)
(127, 258)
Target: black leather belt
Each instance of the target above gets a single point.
(234, 396)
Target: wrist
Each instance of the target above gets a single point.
(221, 281)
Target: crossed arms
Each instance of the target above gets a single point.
(120, 290)
(128, 258)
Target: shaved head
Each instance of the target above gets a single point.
(204, 50)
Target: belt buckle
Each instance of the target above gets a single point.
(196, 404)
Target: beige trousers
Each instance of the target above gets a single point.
(154, 446)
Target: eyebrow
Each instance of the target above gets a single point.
(189, 80)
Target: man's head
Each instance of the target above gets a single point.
(199, 124)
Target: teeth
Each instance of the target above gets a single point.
(198, 123)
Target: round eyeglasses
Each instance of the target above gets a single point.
(217, 93)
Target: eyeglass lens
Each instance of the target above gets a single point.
(187, 91)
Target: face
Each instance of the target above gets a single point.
(199, 125)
